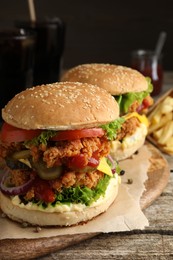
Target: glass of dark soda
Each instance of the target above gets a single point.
(17, 48)
(50, 37)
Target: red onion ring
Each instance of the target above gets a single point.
(140, 108)
(22, 189)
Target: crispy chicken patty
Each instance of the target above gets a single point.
(61, 151)
(128, 128)
(58, 153)
(55, 152)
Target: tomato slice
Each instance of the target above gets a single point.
(77, 162)
(11, 133)
(78, 134)
(43, 191)
(146, 103)
(94, 160)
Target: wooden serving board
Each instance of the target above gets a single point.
(17, 249)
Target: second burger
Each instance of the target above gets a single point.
(132, 92)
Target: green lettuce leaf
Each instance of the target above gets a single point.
(77, 194)
(117, 166)
(112, 128)
(126, 100)
(43, 138)
(83, 195)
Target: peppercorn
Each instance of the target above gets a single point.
(122, 172)
(129, 181)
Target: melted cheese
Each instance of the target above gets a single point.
(104, 167)
(142, 118)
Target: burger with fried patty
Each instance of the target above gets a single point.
(55, 142)
(132, 92)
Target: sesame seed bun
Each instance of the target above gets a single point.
(114, 78)
(61, 106)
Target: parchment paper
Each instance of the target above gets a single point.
(124, 214)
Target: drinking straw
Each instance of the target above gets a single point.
(160, 43)
(32, 10)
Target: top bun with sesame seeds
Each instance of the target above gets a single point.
(61, 106)
(115, 79)
(119, 81)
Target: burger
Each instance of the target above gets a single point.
(131, 90)
(58, 169)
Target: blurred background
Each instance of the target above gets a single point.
(102, 31)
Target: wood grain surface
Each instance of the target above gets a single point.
(18, 249)
(153, 243)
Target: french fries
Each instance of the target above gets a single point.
(161, 124)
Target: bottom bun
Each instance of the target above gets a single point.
(129, 145)
(67, 217)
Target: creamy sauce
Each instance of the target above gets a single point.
(129, 141)
(138, 135)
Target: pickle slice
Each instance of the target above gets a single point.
(47, 173)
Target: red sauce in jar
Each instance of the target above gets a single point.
(149, 65)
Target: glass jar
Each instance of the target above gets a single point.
(146, 62)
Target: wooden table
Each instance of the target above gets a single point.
(155, 242)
